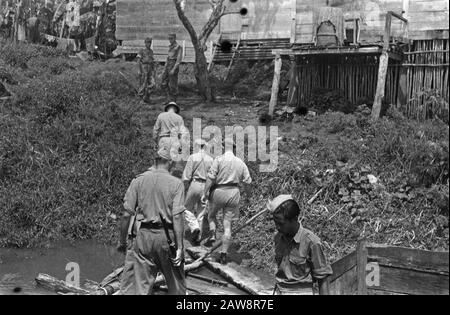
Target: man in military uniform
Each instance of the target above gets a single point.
(298, 252)
(227, 172)
(194, 177)
(147, 71)
(158, 196)
(169, 126)
(170, 77)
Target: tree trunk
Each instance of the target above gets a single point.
(202, 75)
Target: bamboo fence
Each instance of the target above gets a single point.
(354, 76)
(427, 65)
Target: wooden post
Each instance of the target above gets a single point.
(387, 32)
(382, 70)
(275, 84)
(16, 21)
(381, 85)
(405, 10)
(361, 263)
(293, 21)
(402, 93)
(292, 99)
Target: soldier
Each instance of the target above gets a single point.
(222, 189)
(159, 197)
(170, 77)
(147, 71)
(194, 177)
(167, 124)
(298, 252)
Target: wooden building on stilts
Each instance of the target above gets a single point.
(394, 51)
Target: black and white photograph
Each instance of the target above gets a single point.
(224, 152)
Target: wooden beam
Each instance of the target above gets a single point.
(402, 257)
(275, 85)
(387, 31)
(361, 263)
(292, 99)
(293, 21)
(405, 11)
(343, 265)
(381, 84)
(402, 92)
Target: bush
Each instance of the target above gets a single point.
(18, 55)
(68, 151)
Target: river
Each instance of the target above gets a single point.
(19, 267)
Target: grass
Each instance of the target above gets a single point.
(74, 135)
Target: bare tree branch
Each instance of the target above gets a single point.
(187, 24)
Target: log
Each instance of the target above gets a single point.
(275, 85)
(111, 284)
(59, 286)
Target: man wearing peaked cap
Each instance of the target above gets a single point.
(169, 126)
(154, 194)
(298, 251)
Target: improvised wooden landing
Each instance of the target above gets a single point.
(388, 270)
(241, 277)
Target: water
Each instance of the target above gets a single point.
(19, 267)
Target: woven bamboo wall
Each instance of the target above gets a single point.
(426, 70)
(356, 77)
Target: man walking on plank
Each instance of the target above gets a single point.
(159, 196)
(194, 177)
(298, 251)
(227, 172)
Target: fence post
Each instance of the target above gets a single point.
(361, 263)
(275, 84)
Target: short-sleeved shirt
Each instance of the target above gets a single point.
(175, 52)
(155, 192)
(197, 166)
(300, 259)
(229, 169)
(168, 122)
(146, 56)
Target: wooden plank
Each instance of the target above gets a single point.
(346, 284)
(242, 278)
(412, 282)
(361, 263)
(343, 265)
(410, 258)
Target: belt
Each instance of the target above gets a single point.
(227, 185)
(155, 226)
(199, 180)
